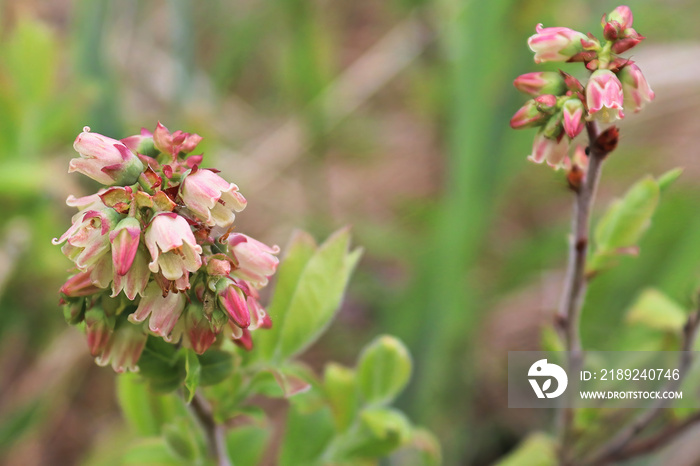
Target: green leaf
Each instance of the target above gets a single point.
(307, 435)
(668, 178)
(655, 310)
(216, 366)
(144, 411)
(340, 386)
(536, 450)
(427, 446)
(308, 294)
(151, 452)
(161, 365)
(246, 445)
(621, 227)
(194, 373)
(383, 370)
(380, 432)
(298, 253)
(181, 439)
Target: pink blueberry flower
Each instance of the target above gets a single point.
(550, 150)
(540, 82)
(255, 261)
(635, 87)
(87, 239)
(105, 160)
(99, 328)
(573, 117)
(135, 280)
(140, 143)
(174, 250)
(211, 198)
(604, 96)
(555, 44)
(161, 311)
(124, 348)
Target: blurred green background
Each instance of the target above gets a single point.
(387, 115)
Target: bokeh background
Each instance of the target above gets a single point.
(387, 115)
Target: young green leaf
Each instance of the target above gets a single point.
(383, 370)
(620, 229)
(340, 387)
(246, 445)
(380, 431)
(307, 435)
(306, 303)
(152, 452)
(161, 365)
(216, 366)
(193, 369)
(655, 310)
(668, 178)
(536, 450)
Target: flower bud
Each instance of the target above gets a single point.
(604, 96)
(552, 151)
(125, 242)
(141, 143)
(540, 82)
(105, 160)
(99, 328)
(79, 285)
(555, 44)
(175, 143)
(635, 87)
(199, 334)
(232, 299)
(528, 116)
(622, 15)
(573, 117)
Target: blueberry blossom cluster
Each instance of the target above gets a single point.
(155, 252)
(561, 104)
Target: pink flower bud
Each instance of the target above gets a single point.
(174, 251)
(99, 329)
(573, 117)
(105, 160)
(549, 150)
(124, 348)
(635, 87)
(211, 198)
(198, 333)
(255, 261)
(624, 45)
(175, 143)
(245, 340)
(555, 44)
(162, 312)
(540, 82)
(604, 96)
(528, 116)
(232, 299)
(125, 242)
(79, 285)
(141, 143)
(623, 16)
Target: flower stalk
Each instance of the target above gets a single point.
(215, 433)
